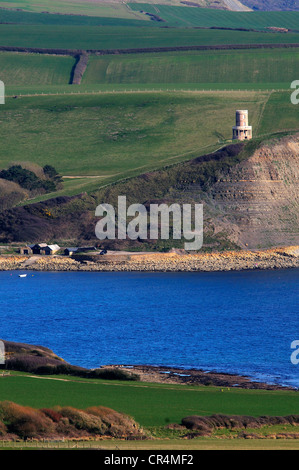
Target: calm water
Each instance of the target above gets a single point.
(235, 322)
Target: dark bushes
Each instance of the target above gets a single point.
(23, 421)
(207, 424)
(27, 179)
(18, 421)
(42, 361)
(79, 69)
(112, 374)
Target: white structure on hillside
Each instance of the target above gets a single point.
(242, 131)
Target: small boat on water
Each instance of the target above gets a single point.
(22, 275)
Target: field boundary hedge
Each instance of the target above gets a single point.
(77, 52)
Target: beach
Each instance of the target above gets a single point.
(277, 258)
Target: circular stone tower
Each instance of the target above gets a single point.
(241, 131)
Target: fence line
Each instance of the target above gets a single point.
(45, 444)
(175, 90)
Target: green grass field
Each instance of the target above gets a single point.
(172, 15)
(83, 7)
(271, 66)
(262, 68)
(154, 406)
(27, 18)
(113, 134)
(149, 404)
(180, 16)
(112, 37)
(34, 69)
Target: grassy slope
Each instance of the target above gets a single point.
(207, 67)
(33, 69)
(111, 37)
(279, 114)
(117, 135)
(180, 16)
(121, 16)
(83, 7)
(113, 134)
(149, 404)
(121, 126)
(262, 68)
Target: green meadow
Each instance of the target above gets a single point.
(149, 404)
(250, 67)
(180, 16)
(107, 137)
(114, 133)
(34, 69)
(83, 7)
(121, 37)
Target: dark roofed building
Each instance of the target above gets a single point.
(50, 249)
(27, 250)
(70, 251)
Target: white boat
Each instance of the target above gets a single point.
(22, 275)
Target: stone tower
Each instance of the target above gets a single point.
(241, 131)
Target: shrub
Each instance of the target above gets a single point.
(208, 423)
(83, 421)
(3, 429)
(18, 421)
(25, 422)
(113, 374)
(32, 363)
(28, 179)
(117, 424)
(25, 178)
(54, 415)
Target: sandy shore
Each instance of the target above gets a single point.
(278, 258)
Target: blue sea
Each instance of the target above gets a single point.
(236, 322)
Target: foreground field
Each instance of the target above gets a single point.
(155, 406)
(149, 404)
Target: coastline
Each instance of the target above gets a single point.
(30, 358)
(275, 258)
(176, 375)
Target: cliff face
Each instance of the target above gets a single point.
(250, 196)
(257, 202)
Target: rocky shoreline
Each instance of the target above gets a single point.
(277, 258)
(31, 358)
(174, 375)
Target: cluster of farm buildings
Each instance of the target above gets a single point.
(45, 249)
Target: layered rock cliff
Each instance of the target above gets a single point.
(257, 202)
